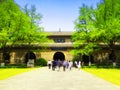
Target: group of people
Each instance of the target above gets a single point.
(66, 64)
(77, 64)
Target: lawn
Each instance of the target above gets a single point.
(111, 75)
(8, 72)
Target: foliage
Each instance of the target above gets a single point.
(83, 42)
(76, 58)
(32, 33)
(9, 12)
(14, 66)
(107, 20)
(20, 26)
(95, 27)
(41, 62)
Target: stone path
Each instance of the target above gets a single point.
(45, 79)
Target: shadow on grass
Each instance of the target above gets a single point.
(102, 66)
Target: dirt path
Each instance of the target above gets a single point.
(45, 79)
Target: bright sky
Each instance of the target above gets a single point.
(58, 14)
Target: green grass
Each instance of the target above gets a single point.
(9, 72)
(111, 75)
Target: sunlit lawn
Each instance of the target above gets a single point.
(111, 75)
(6, 73)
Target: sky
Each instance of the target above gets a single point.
(58, 14)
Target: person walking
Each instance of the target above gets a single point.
(70, 64)
(75, 64)
(67, 64)
(49, 64)
(59, 64)
(78, 65)
(64, 65)
(54, 65)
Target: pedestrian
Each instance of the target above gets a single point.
(59, 64)
(64, 65)
(75, 64)
(53, 65)
(49, 64)
(70, 64)
(67, 64)
(78, 65)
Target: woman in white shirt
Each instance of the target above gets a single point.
(70, 64)
(78, 64)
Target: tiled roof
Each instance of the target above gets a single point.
(60, 33)
(61, 44)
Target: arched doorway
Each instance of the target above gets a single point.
(6, 57)
(112, 56)
(86, 59)
(59, 55)
(30, 56)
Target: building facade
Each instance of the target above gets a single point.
(60, 48)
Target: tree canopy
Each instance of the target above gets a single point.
(95, 26)
(19, 25)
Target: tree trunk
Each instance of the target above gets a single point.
(112, 54)
(89, 61)
(3, 52)
(28, 57)
(113, 58)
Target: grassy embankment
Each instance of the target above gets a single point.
(111, 75)
(9, 72)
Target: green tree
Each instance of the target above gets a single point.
(34, 34)
(83, 43)
(17, 27)
(8, 15)
(108, 21)
(101, 26)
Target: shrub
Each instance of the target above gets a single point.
(14, 66)
(76, 58)
(41, 62)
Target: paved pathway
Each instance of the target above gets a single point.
(45, 79)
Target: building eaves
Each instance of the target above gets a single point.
(60, 45)
(60, 33)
